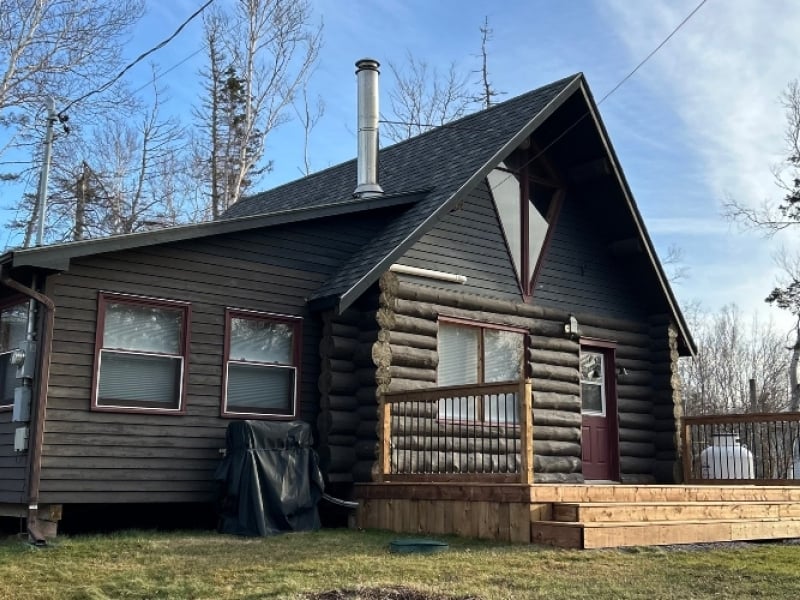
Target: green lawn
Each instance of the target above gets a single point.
(206, 565)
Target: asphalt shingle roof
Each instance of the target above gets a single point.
(441, 161)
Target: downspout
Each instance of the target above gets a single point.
(36, 437)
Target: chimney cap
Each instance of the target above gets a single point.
(367, 64)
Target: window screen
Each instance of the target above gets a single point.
(141, 361)
(261, 374)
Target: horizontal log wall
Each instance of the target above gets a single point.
(404, 356)
(408, 315)
(347, 422)
(667, 404)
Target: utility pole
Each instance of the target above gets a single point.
(41, 197)
(81, 191)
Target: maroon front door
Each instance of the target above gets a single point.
(599, 409)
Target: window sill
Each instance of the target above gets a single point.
(258, 416)
(139, 410)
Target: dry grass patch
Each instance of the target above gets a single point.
(341, 564)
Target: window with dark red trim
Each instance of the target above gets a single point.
(13, 325)
(262, 359)
(526, 202)
(141, 354)
(476, 353)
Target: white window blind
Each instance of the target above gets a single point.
(261, 375)
(141, 361)
(458, 354)
(139, 379)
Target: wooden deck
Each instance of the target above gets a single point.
(583, 516)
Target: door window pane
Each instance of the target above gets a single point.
(592, 383)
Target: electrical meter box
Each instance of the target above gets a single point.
(21, 439)
(26, 369)
(22, 405)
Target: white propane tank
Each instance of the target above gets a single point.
(726, 458)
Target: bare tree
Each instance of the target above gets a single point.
(423, 98)
(488, 92)
(309, 116)
(122, 176)
(264, 52)
(730, 354)
(674, 264)
(56, 48)
(771, 217)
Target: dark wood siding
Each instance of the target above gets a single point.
(12, 464)
(469, 241)
(130, 457)
(579, 273)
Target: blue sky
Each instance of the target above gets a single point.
(701, 121)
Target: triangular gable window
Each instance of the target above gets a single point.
(526, 203)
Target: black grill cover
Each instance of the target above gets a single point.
(270, 479)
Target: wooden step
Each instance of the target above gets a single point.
(664, 493)
(625, 512)
(655, 533)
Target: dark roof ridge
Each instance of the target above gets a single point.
(419, 138)
(485, 111)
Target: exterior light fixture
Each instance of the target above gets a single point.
(571, 327)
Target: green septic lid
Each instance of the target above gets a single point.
(420, 546)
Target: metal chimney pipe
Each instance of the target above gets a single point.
(367, 183)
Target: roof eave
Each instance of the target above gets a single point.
(59, 256)
(677, 314)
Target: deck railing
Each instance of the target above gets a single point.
(472, 432)
(745, 448)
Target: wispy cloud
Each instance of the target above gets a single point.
(723, 75)
(689, 226)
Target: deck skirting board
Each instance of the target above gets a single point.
(582, 516)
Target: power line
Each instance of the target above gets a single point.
(139, 59)
(654, 51)
(568, 129)
(172, 68)
(614, 89)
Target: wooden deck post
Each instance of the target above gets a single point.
(386, 439)
(686, 439)
(526, 432)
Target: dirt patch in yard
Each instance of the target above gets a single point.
(382, 593)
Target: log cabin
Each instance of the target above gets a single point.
(500, 258)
